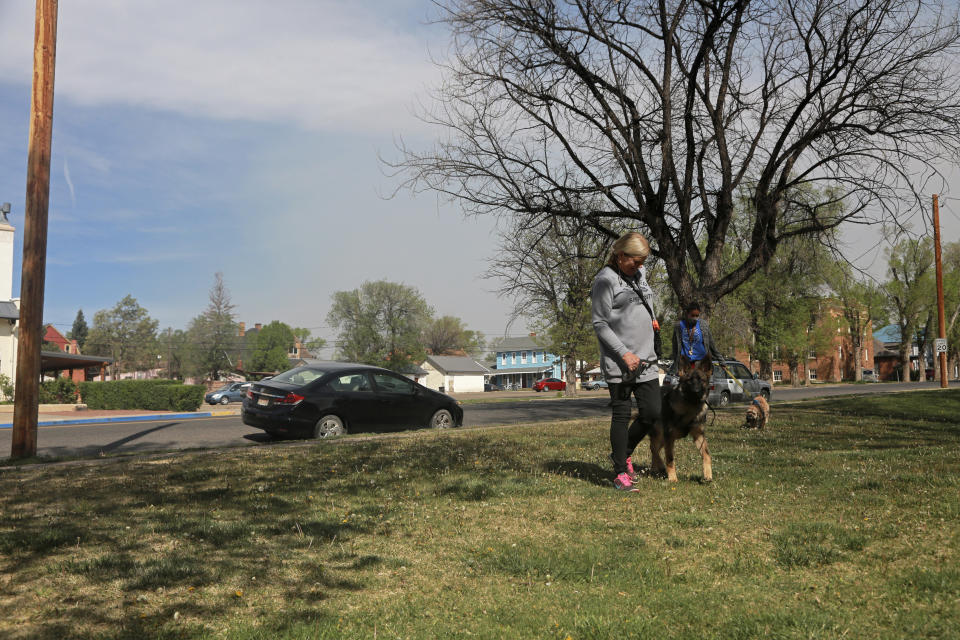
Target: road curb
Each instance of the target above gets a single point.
(139, 418)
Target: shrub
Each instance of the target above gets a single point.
(6, 388)
(155, 395)
(58, 391)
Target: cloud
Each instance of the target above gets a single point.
(66, 177)
(322, 65)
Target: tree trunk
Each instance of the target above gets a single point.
(571, 377)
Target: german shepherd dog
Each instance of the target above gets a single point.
(683, 413)
(757, 414)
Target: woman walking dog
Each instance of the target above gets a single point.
(625, 324)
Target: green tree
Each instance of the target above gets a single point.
(778, 302)
(951, 299)
(213, 333)
(125, 333)
(447, 334)
(271, 348)
(80, 330)
(861, 302)
(177, 352)
(910, 294)
(381, 323)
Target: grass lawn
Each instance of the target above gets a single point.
(840, 522)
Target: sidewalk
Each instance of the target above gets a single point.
(60, 414)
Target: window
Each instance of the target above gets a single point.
(812, 374)
(740, 371)
(513, 357)
(533, 356)
(523, 357)
(350, 382)
(812, 353)
(777, 375)
(503, 358)
(387, 383)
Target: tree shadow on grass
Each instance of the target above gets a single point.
(581, 470)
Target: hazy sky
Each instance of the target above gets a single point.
(241, 136)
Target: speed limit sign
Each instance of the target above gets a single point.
(940, 345)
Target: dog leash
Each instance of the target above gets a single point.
(733, 377)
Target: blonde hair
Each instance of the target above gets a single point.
(632, 244)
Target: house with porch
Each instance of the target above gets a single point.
(520, 362)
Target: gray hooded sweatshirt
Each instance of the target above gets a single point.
(622, 323)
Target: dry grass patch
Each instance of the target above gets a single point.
(840, 521)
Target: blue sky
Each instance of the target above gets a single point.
(241, 137)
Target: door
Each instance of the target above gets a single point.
(355, 400)
(743, 387)
(399, 404)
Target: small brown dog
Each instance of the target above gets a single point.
(757, 414)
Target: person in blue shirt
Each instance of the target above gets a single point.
(692, 338)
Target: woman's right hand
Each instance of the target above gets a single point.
(631, 360)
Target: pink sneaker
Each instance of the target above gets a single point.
(630, 470)
(624, 483)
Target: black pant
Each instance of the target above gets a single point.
(624, 440)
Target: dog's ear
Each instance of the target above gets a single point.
(706, 366)
(684, 364)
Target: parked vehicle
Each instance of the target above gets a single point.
(592, 385)
(869, 375)
(336, 398)
(549, 384)
(234, 392)
(492, 386)
(731, 381)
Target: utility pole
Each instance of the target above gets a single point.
(942, 327)
(26, 397)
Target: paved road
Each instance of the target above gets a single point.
(93, 440)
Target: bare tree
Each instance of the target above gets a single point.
(549, 273)
(662, 113)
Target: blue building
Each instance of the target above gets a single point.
(522, 361)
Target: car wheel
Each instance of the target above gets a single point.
(537, 389)
(224, 400)
(766, 394)
(329, 426)
(442, 419)
(724, 398)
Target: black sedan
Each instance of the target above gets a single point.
(334, 398)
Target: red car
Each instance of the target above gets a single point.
(549, 384)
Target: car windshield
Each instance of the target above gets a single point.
(299, 376)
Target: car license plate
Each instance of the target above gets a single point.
(263, 402)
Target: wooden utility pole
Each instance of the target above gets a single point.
(26, 397)
(940, 315)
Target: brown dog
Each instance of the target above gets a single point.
(757, 414)
(683, 413)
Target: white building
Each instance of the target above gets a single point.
(9, 306)
(453, 374)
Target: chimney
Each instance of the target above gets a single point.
(533, 334)
(257, 326)
(243, 328)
